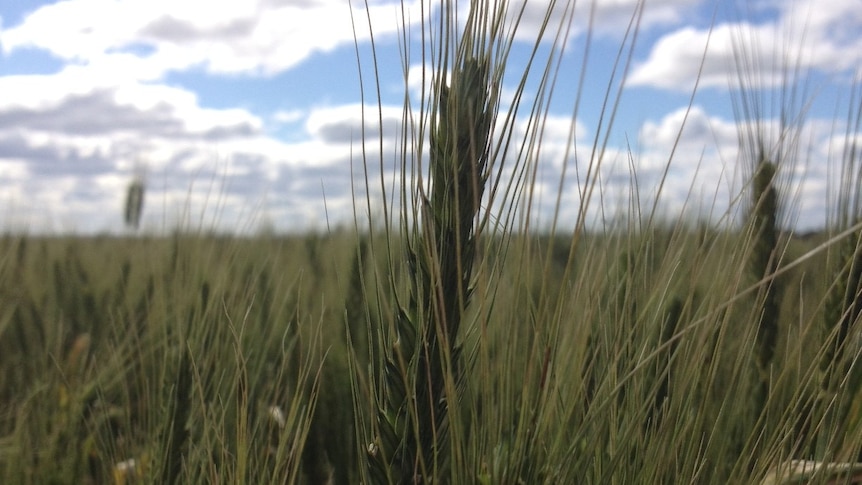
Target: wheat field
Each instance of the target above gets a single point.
(449, 339)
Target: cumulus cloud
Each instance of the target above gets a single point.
(712, 158)
(801, 36)
(687, 164)
(605, 17)
(71, 151)
(70, 141)
(152, 38)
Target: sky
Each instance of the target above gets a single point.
(248, 114)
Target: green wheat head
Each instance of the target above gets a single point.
(134, 202)
(764, 219)
(422, 372)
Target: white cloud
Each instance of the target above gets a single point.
(804, 36)
(696, 161)
(287, 116)
(605, 17)
(700, 131)
(69, 153)
(611, 13)
(145, 41)
(709, 166)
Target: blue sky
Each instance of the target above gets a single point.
(247, 113)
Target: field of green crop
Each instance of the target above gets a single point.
(452, 342)
(607, 358)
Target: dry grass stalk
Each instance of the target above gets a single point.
(804, 472)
